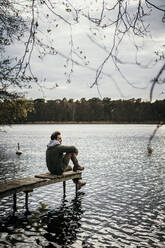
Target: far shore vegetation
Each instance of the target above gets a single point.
(94, 111)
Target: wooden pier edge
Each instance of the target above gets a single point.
(26, 185)
(30, 183)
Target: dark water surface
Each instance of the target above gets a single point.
(122, 205)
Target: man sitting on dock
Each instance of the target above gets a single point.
(57, 162)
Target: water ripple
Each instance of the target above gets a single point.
(122, 204)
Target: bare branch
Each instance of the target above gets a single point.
(153, 5)
(155, 81)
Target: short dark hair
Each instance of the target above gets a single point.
(54, 135)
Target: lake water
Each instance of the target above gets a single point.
(122, 204)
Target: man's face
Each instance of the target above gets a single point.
(59, 139)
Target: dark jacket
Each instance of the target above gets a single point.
(54, 158)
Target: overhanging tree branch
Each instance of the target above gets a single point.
(155, 81)
(119, 17)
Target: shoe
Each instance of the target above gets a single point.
(80, 185)
(76, 168)
(68, 168)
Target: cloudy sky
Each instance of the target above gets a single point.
(89, 46)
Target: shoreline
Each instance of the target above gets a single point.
(87, 122)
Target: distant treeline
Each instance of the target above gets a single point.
(95, 109)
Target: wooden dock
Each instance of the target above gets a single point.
(28, 184)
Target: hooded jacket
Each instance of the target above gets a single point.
(54, 156)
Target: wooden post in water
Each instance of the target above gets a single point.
(76, 184)
(76, 188)
(14, 203)
(64, 188)
(26, 201)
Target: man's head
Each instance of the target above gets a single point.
(56, 136)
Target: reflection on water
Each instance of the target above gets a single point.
(64, 223)
(44, 228)
(124, 200)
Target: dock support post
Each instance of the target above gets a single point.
(64, 188)
(27, 212)
(14, 203)
(76, 188)
(76, 184)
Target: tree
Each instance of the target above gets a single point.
(14, 111)
(32, 29)
(12, 69)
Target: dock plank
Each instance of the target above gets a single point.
(51, 176)
(17, 185)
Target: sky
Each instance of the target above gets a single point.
(86, 43)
